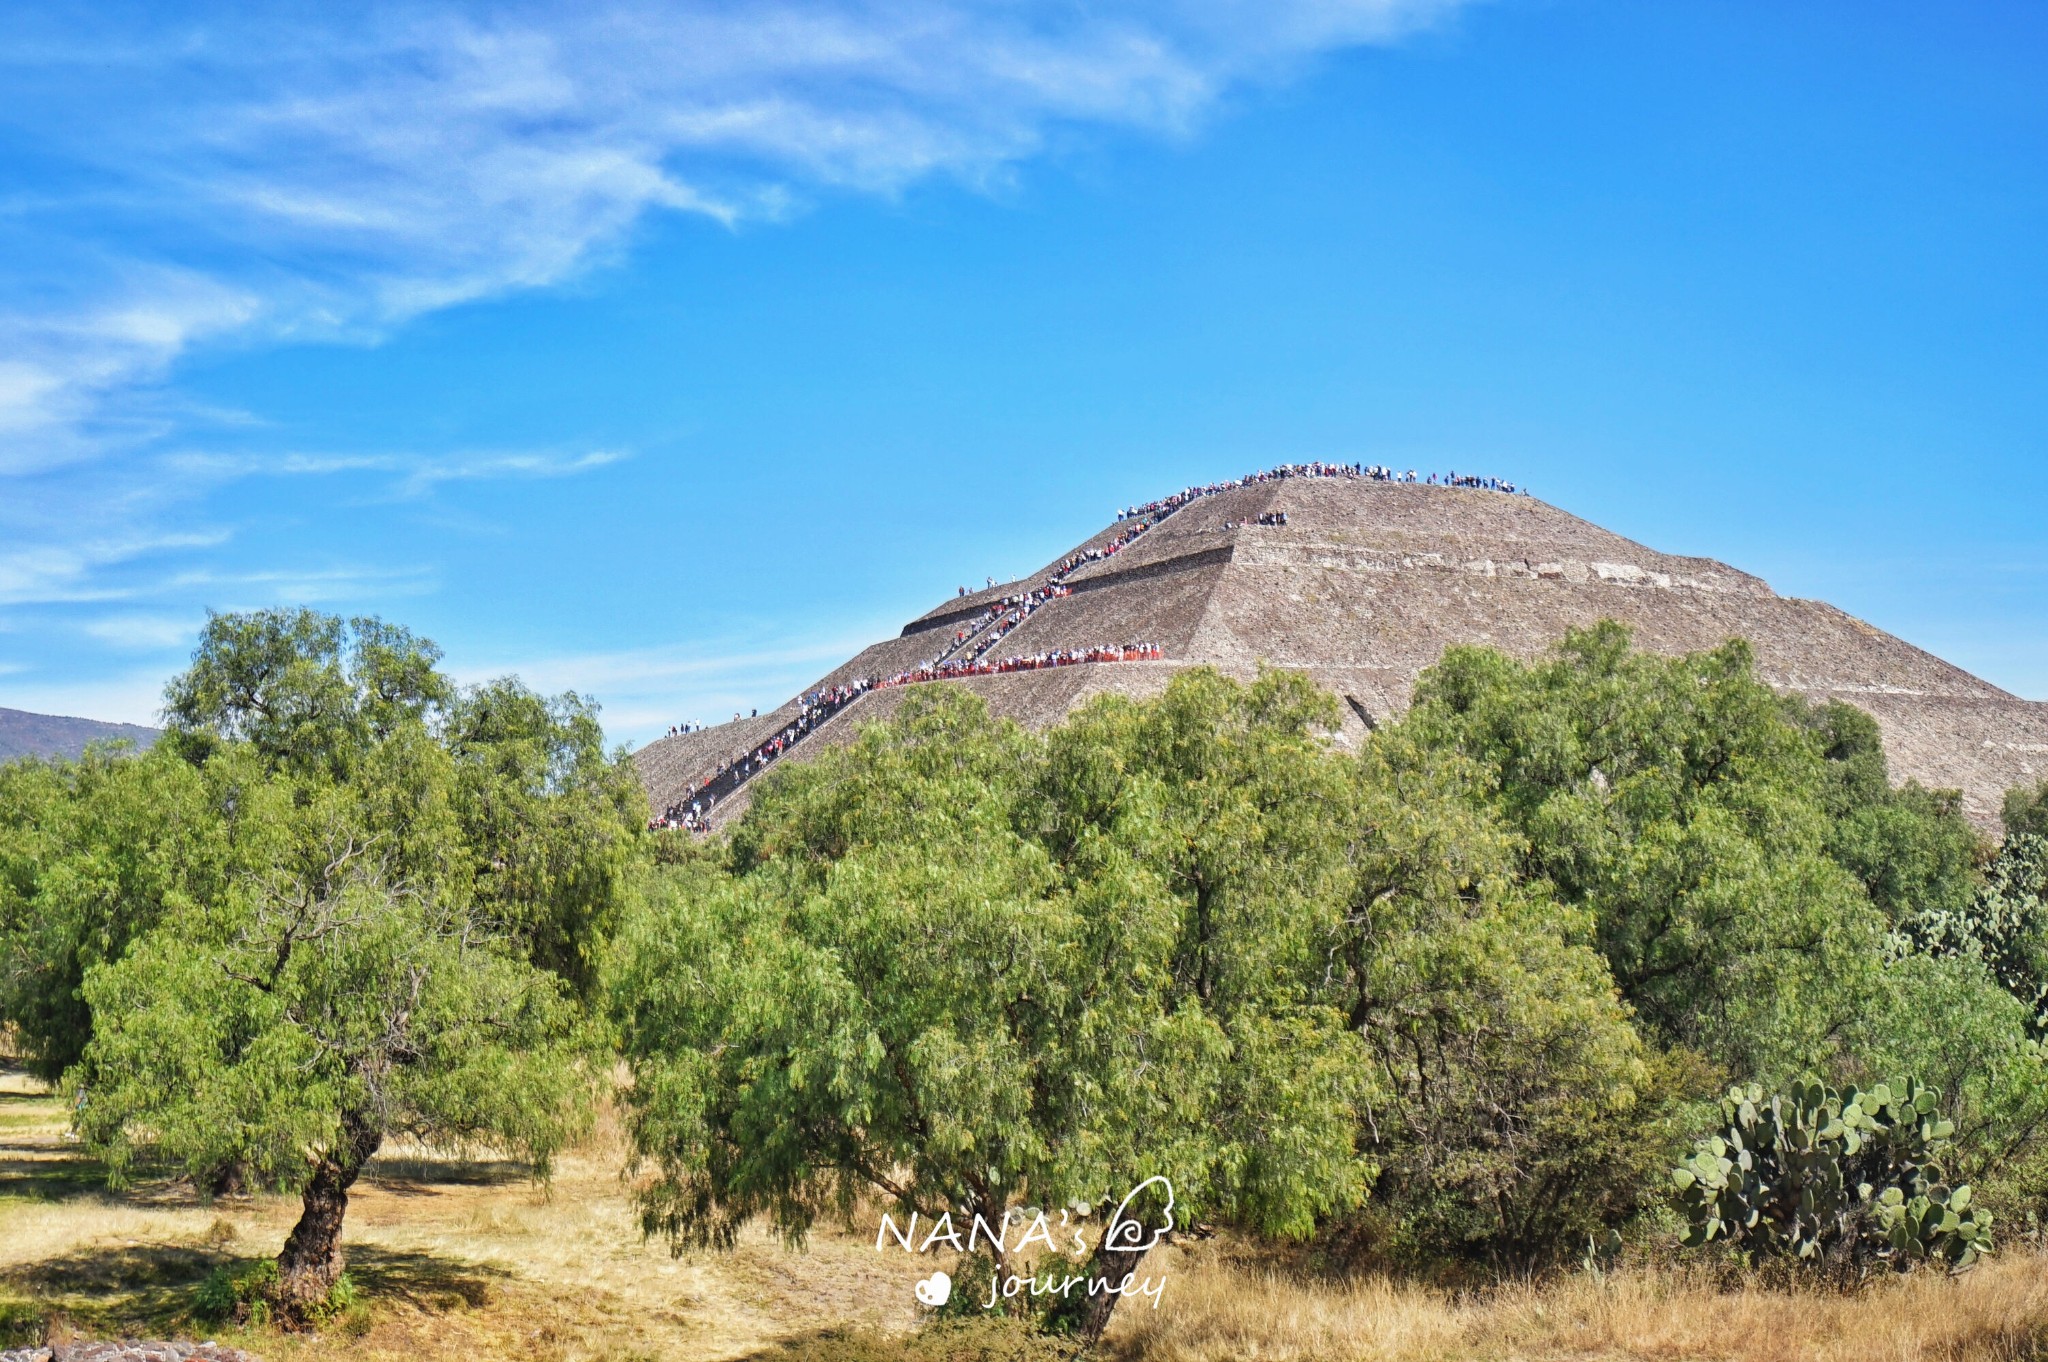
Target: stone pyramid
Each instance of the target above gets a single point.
(1362, 583)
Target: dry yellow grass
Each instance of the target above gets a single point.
(1216, 1310)
(471, 1261)
(460, 1260)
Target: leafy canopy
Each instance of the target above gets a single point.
(1522, 1110)
(2026, 810)
(970, 967)
(963, 966)
(1673, 801)
(344, 901)
(311, 693)
(272, 1026)
(93, 855)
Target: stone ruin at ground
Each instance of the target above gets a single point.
(129, 1350)
(1362, 584)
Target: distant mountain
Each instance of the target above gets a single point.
(51, 735)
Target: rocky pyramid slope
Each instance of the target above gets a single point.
(1362, 583)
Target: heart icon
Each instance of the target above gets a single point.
(935, 1289)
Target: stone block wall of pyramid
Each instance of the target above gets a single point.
(1365, 584)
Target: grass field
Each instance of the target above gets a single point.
(459, 1260)
(472, 1261)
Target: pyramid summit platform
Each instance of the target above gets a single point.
(1363, 582)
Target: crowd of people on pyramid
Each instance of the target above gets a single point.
(1165, 506)
(1381, 473)
(1156, 511)
(1014, 614)
(1030, 662)
(1010, 610)
(1474, 480)
(985, 630)
(695, 817)
(693, 811)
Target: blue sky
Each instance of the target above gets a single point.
(671, 352)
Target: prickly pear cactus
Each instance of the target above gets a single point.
(1841, 1180)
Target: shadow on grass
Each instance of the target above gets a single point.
(410, 1176)
(42, 1174)
(429, 1284)
(36, 1161)
(146, 1290)
(42, 1171)
(132, 1289)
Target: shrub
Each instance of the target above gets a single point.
(249, 1295)
(2026, 810)
(23, 1323)
(1519, 1110)
(1841, 1181)
(237, 1295)
(1524, 1113)
(2005, 924)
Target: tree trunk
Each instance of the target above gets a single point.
(1109, 1271)
(228, 1179)
(312, 1262)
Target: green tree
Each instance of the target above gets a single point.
(310, 692)
(298, 1021)
(1228, 799)
(92, 855)
(553, 824)
(1674, 801)
(492, 795)
(962, 967)
(1911, 848)
(1521, 1111)
(2026, 810)
(344, 900)
(1762, 896)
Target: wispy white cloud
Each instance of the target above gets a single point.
(65, 539)
(74, 379)
(215, 175)
(431, 473)
(275, 174)
(646, 689)
(144, 633)
(299, 586)
(409, 475)
(69, 571)
(110, 569)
